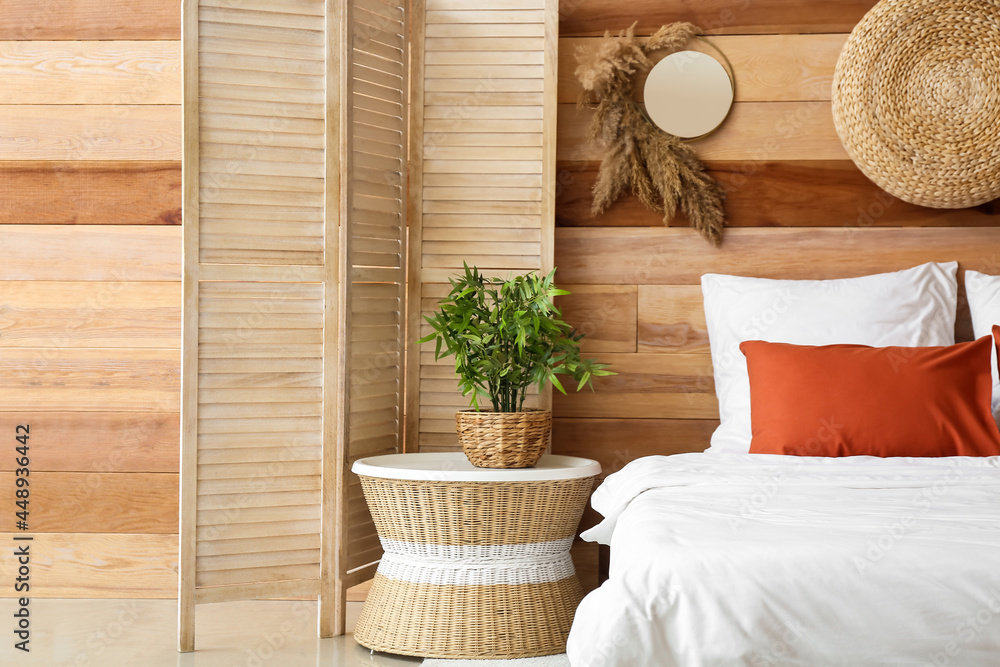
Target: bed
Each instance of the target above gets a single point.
(738, 557)
(777, 560)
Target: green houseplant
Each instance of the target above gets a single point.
(507, 335)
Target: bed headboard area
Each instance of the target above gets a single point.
(797, 207)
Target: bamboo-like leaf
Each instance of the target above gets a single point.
(506, 335)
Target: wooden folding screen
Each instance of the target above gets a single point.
(293, 291)
(373, 257)
(482, 164)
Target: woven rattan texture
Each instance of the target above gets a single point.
(916, 100)
(468, 621)
(480, 513)
(504, 439)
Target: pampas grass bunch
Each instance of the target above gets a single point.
(660, 169)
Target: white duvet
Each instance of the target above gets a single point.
(772, 560)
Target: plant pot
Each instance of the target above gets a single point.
(504, 439)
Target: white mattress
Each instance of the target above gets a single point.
(772, 560)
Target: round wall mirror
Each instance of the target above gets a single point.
(688, 94)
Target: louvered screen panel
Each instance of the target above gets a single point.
(261, 288)
(373, 243)
(483, 149)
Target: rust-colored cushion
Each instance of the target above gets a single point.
(855, 400)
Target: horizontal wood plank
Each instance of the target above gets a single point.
(674, 386)
(101, 565)
(90, 19)
(639, 256)
(91, 253)
(616, 442)
(97, 441)
(758, 131)
(671, 318)
(776, 193)
(593, 17)
(604, 314)
(90, 193)
(767, 68)
(90, 132)
(47, 314)
(91, 72)
(90, 380)
(113, 502)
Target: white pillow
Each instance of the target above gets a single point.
(984, 303)
(915, 307)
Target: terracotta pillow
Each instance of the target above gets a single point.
(855, 400)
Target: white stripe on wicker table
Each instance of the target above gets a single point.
(477, 565)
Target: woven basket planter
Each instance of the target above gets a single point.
(504, 439)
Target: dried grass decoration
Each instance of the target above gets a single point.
(662, 170)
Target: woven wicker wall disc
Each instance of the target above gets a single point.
(916, 100)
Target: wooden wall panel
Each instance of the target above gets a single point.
(679, 257)
(604, 314)
(102, 565)
(121, 379)
(788, 186)
(114, 502)
(90, 19)
(796, 205)
(769, 68)
(105, 192)
(91, 253)
(757, 131)
(100, 442)
(90, 132)
(89, 286)
(603, 439)
(73, 314)
(671, 318)
(93, 72)
(677, 386)
(593, 17)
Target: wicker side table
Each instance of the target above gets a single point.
(476, 560)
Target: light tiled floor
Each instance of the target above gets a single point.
(143, 633)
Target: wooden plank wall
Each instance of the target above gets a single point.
(90, 200)
(797, 208)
